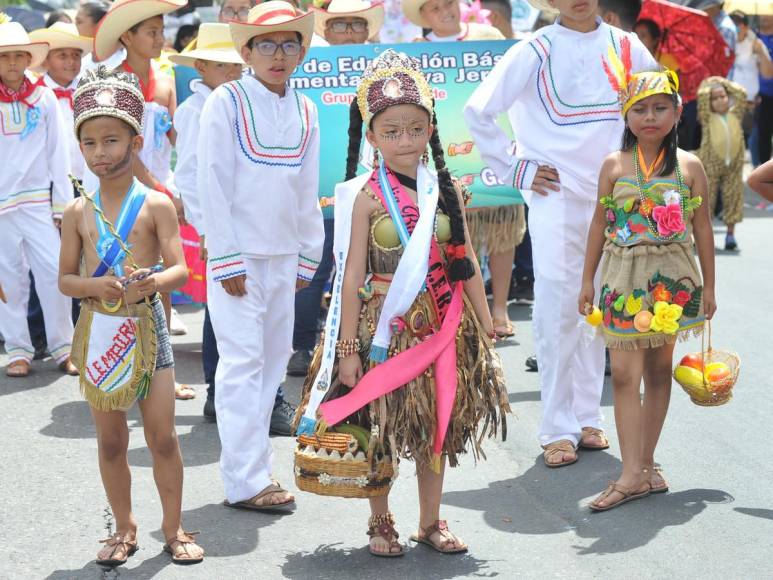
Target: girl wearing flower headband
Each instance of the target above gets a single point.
(651, 290)
(407, 351)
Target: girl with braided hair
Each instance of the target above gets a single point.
(407, 350)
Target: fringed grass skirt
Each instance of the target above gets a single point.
(406, 417)
(651, 295)
(499, 229)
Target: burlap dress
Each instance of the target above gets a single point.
(407, 416)
(651, 289)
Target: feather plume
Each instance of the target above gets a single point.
(625, 53)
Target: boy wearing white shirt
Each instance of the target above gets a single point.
(63, 68)
(566, 121)
(258, 177)
(217, 61)
(33, 192)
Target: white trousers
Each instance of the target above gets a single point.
(254, 338)
(571, 374)
(29, 240)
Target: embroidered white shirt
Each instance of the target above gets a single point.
(77, 163)
(258, 177)
(36, 161)
(186, 121)
(562, 109)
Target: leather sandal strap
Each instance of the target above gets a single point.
(562, 446)
(440, 527)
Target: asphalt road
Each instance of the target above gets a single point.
(520, 519)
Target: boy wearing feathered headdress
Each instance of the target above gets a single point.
(566, 120)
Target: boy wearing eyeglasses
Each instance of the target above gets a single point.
(349, 21)
(235, 10)
(258, 177)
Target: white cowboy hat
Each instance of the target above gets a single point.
(214, 43)
(272, 16)
(62, 35)
(373, 13)
(124, 14)
(412, 10)
(14, 38)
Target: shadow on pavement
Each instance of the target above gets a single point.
(328, 560)
(42, 374)
(201, 446)
(544, 501)
(756, 512)
(148, 568)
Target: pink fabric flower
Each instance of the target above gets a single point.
(669, 219)
(474, 13)
(682, 297)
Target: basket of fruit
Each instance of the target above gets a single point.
(343, 462)
(709, 376)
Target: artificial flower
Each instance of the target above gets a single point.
(646, 207)
(633, 305)
(672, 197)
(610, 216)
(660, 293)
(669, 219)
(474, 12)
(682, 297)
(666, 318)
(624, 233)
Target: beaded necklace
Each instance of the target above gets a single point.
(640, 182)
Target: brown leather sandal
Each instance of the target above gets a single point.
(255, 504)
(561, 447)
(184, 539)
(593, 432)
(383, 526)
(509, 329)
(627, 493)
(68, 368)
(18, 369)
(118, 541)
(649, 471)
(440, 527)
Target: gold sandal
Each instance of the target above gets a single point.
(118, 541)
(649, 471)
(561, 446)
(383, 526)
(627, 493)
(439, 527)
(185, 539)
(593, 432)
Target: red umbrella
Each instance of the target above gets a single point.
(691, 39)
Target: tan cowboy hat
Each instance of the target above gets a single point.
(124, 14)
(412, 10)
(373, 13)
(62, 35)
(541, 4)
(214, 43)
(14, 38)
(272, 16)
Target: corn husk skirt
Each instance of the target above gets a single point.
(651, 295)
(406, 417)
(500, 229)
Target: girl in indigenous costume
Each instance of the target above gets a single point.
(650, 206)
(410, 356)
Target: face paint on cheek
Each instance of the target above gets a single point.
(124, 162)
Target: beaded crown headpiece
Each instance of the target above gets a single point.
(393, 78)
(632, 88)
(109, 93)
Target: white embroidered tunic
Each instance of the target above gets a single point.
(563, 111)
(35, 161)
(77, 163)
(186, 121)
(258, 177)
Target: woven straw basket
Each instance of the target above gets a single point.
(326, 472)
(714, 393)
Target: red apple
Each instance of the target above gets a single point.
(692, 360)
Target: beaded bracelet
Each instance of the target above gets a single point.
(347, 347)
(377, 520)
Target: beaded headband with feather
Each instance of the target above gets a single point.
(109, 93)
(632, 88)
(393, 78)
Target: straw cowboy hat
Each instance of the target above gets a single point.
(541, 4)
(272, 16)
(13, 38)
(214, 43)
(124, 14)
(373, 13)
(62, 35)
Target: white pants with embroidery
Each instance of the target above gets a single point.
(571, 374)
(254, 339)
(29, 240)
